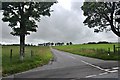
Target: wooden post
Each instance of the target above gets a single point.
(31, 53)
(114, 48)
(108, 50)
(11, 55)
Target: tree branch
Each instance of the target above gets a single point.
(112, 26)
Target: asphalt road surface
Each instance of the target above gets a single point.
(67, 65)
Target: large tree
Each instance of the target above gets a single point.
(22, 17)
(101, 16)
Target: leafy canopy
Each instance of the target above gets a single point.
(101, 16)
(22, 16)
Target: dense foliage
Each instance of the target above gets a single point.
(101, 16)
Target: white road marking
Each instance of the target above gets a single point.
(106, 70)
(100, 74)
(115, 68)
(113, 71)
(103, 73)
(90, 76)
(93, 65)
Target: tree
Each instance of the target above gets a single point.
(22, 17)
(101, 16)
(67, 43)
(70, 43)
(52, 44)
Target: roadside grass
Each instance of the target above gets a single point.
(41, 56)
(99, 51)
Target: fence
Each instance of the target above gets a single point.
(108, 50)
(30, 55)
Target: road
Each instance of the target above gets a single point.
(67, 65)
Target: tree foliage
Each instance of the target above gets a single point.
(24, 15)
(101, 16)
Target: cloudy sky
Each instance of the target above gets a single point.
(64, 25)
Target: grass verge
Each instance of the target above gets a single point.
(99, 51)
(41, 56)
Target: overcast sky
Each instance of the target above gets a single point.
(64, 25)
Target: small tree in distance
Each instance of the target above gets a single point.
(70, 43)
(22, 16)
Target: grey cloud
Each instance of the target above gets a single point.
(76, 6)
(63, 25)
(6, 37)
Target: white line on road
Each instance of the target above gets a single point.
(103, 73)
(106, 70)
(93, 65)
(115, 68)
(90, 76)
(113, 71)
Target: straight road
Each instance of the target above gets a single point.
(67, 65)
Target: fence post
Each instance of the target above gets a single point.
(11, 55)
(114, 48)
(31, 53)
(108, 50)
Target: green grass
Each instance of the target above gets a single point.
(41, 56)
(99, 51)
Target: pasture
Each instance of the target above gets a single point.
(39, 57)
(100, 51)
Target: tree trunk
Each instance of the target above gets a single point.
(114, 30)
(22, 46)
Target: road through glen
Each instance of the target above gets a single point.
(67, 65)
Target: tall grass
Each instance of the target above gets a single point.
(41, 56)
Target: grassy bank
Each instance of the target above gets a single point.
(40, 56)
(100, 51)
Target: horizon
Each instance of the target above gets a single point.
(57, 42)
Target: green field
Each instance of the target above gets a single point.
(101, 51)
(41, 56)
